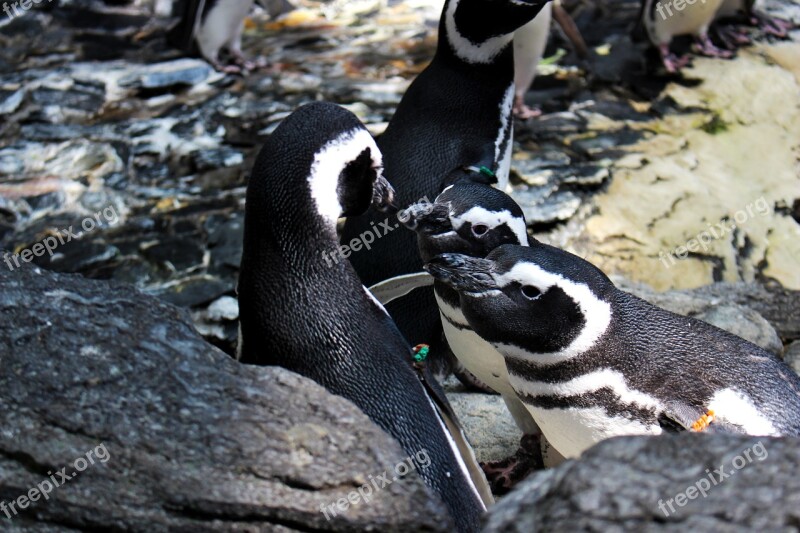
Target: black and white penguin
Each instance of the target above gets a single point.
(665, 19)
(208, 26)
(474, 219)
(592, 362)
(304, 310)
(457, 113)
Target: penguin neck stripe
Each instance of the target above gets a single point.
(482, 53)
(604, 378)
(328, 164)
(596, 312)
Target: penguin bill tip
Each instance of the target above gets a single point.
(383, 196)
(463, 273)
(425, 217)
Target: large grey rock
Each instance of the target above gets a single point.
(629, 483)
(194, 440)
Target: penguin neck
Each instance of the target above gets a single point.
(454, 50)
(297, 235)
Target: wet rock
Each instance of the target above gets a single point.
(180, 72)
(625, 484)
(164, 413)
(546, 205)
(10, 100)
(194, 290)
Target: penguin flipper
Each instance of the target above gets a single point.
(570, 29)
(450, 420)
(680, 416)
(398, 286)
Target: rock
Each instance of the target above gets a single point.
(192, 440)
(187, 72)
(792, 356)
(745, 323)
(486, 421)
(619, 484)
(193, 290)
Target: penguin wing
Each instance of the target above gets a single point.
(399, 286)
(448, 417)
(680, 416)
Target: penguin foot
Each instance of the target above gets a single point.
(732, 38)
(705, 47)
(523, 112)
(671, 62)
(772, 25)
(504, 474)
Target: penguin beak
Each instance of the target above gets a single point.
(464, 273)
(383, 196)
(425, 217)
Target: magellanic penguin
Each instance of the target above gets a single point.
(310, 314)
(474, 219)
(456, 113)
(208, 26)
(592, 362)
(530, 42)
(663, 20)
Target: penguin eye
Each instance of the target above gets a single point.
(479, 230)
(530, 292)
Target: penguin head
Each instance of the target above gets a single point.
(468, 218)
(479, 30)
(323, 150)
(530, 300)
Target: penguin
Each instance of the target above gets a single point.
(456, 114)
(590, 361)
(530, 42)
(304, 308)
(663, 20)
(473, 219)
(208, 26)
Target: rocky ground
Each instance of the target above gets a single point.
(626, 167)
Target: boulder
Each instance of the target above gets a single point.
(159, 430)
(662, 483)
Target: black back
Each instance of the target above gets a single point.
(448, 118)
(313, 316)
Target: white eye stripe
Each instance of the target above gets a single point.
(596, 312)
(329, 162)
(479, 216)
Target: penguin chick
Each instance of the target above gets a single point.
(663, 20)
(208, 26)
(474, 219)
(309, 314)
(592, 362)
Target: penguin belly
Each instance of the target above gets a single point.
(221, 25)
(530, 42)
(694, 19)
(485, 363)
